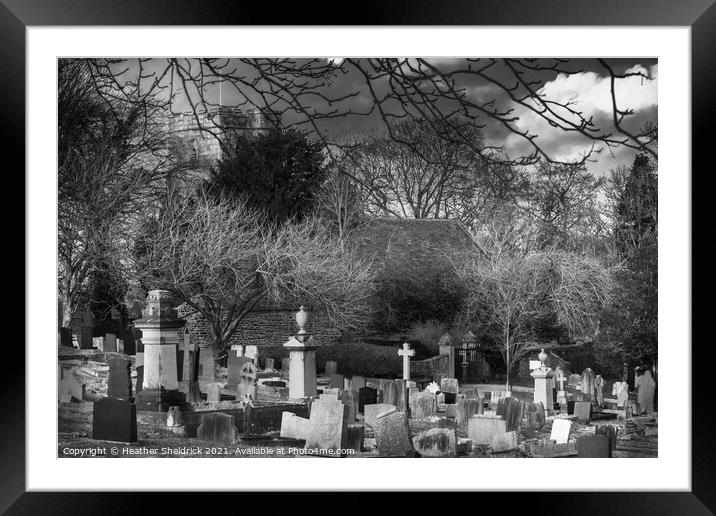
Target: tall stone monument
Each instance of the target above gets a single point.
(302, 356)
(543, 385)
(446, 346)
(161, 329)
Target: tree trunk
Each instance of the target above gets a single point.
(66, 310)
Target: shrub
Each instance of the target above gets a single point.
(428, 334)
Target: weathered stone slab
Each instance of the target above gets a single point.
(480, 429)
(449, 385)
(295, 427)
(423, 405)
(560, 431)
(373, 412)
(465, 408)
(553, 450)
(392, 436)
(390, 393)
(217, 427)
(336, 381)
(354, 437)
(327, 433)
(502, 442)
(583, 410)
(233, 369)
(350, 400)
(436, 442)
(357, 382)
(119, 384)
(71, 388)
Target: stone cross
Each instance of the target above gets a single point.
(406, 353)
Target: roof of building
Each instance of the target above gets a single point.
(415, 244)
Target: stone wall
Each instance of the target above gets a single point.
(260, 328)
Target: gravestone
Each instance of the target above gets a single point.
(354, 437)
(449, 385)
(213, 392)
(402, 396)
(120, 345)
(65, 335)
(423, 405)
(583, 410)
(560, 431)
(285, 364)
(574, 380)
(373, 412)
(406, 353)
(114, 420)
(390, 393)
(481, 428)
(294, 427)
(233, 369)
(336, 381)
(611, 432)
(588, 385)
(357, 382)
(465, 409)
(392, 436)
(97, 342)
(328, 422)
(366, 396)
(553, 450)
(269, 364)
(119, 384)
(330, 393)
(110, 342)
(350, 400)
(599, 389)
(139, 367)
(593, 446)
(436, 442)
(192, 391)
(217, 427)
(331, 368)
(247, 381)
(252, 353)
(71, 388)
(502, 442)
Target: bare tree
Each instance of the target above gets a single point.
(221, 258)
(512, 292)
(340, 201)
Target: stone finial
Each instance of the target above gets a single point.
(542, 358)
(445, 340)
(160, 303)
(469, 338)
(302, 320)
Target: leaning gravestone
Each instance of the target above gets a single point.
(217, 427)
(436, 442)
(373, 412)
(294, 427)
(560, 431)
(328, 432)
(366, 396)
(392, 436)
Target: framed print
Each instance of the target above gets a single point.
(442, 233)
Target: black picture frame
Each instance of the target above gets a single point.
(700, 15)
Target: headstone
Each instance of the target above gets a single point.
(390, 393)
(110, 342)
(192, 391)
(646, 387)
(207, 365)
(65, 336)
(611, 432)
(553, 450)
(285, 363)
(403, 394)
(560, 431)
(269, 364)
(593, 446)
(406, 353)
(331, 368)
(502, 442)
(295, 427)
(119, 384)
(327, 433)
(621, 391)
(252, 353)
(574, 380)
(599, 389)
(373, 412)
(366, 396)
(120, 345)
(423, 405)
(465, 409)
(392, 436)
(233, 369)
(174, 416)
(71, 388)
(114, 420)
(350, 400)
(217, 427)
(354, 437)
(449, 385)
(583, 410)
(480, 429)
(436, 442)
(357, 382)
(247, 381)
(336, 381)
(213, 392)
(588, 385)
(330, 393)
(98, 342)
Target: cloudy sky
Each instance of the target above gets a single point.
(586, 87)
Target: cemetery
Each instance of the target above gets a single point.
(243, 275)
(162, 402)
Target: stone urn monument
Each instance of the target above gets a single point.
(543, 387)
(302, 359)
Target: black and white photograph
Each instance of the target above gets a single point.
(357, 257)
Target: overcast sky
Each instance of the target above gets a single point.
(588, 88)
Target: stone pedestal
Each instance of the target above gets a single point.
(161, 332)
(543, 386)
(302, 369)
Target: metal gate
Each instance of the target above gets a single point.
(468, 362)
